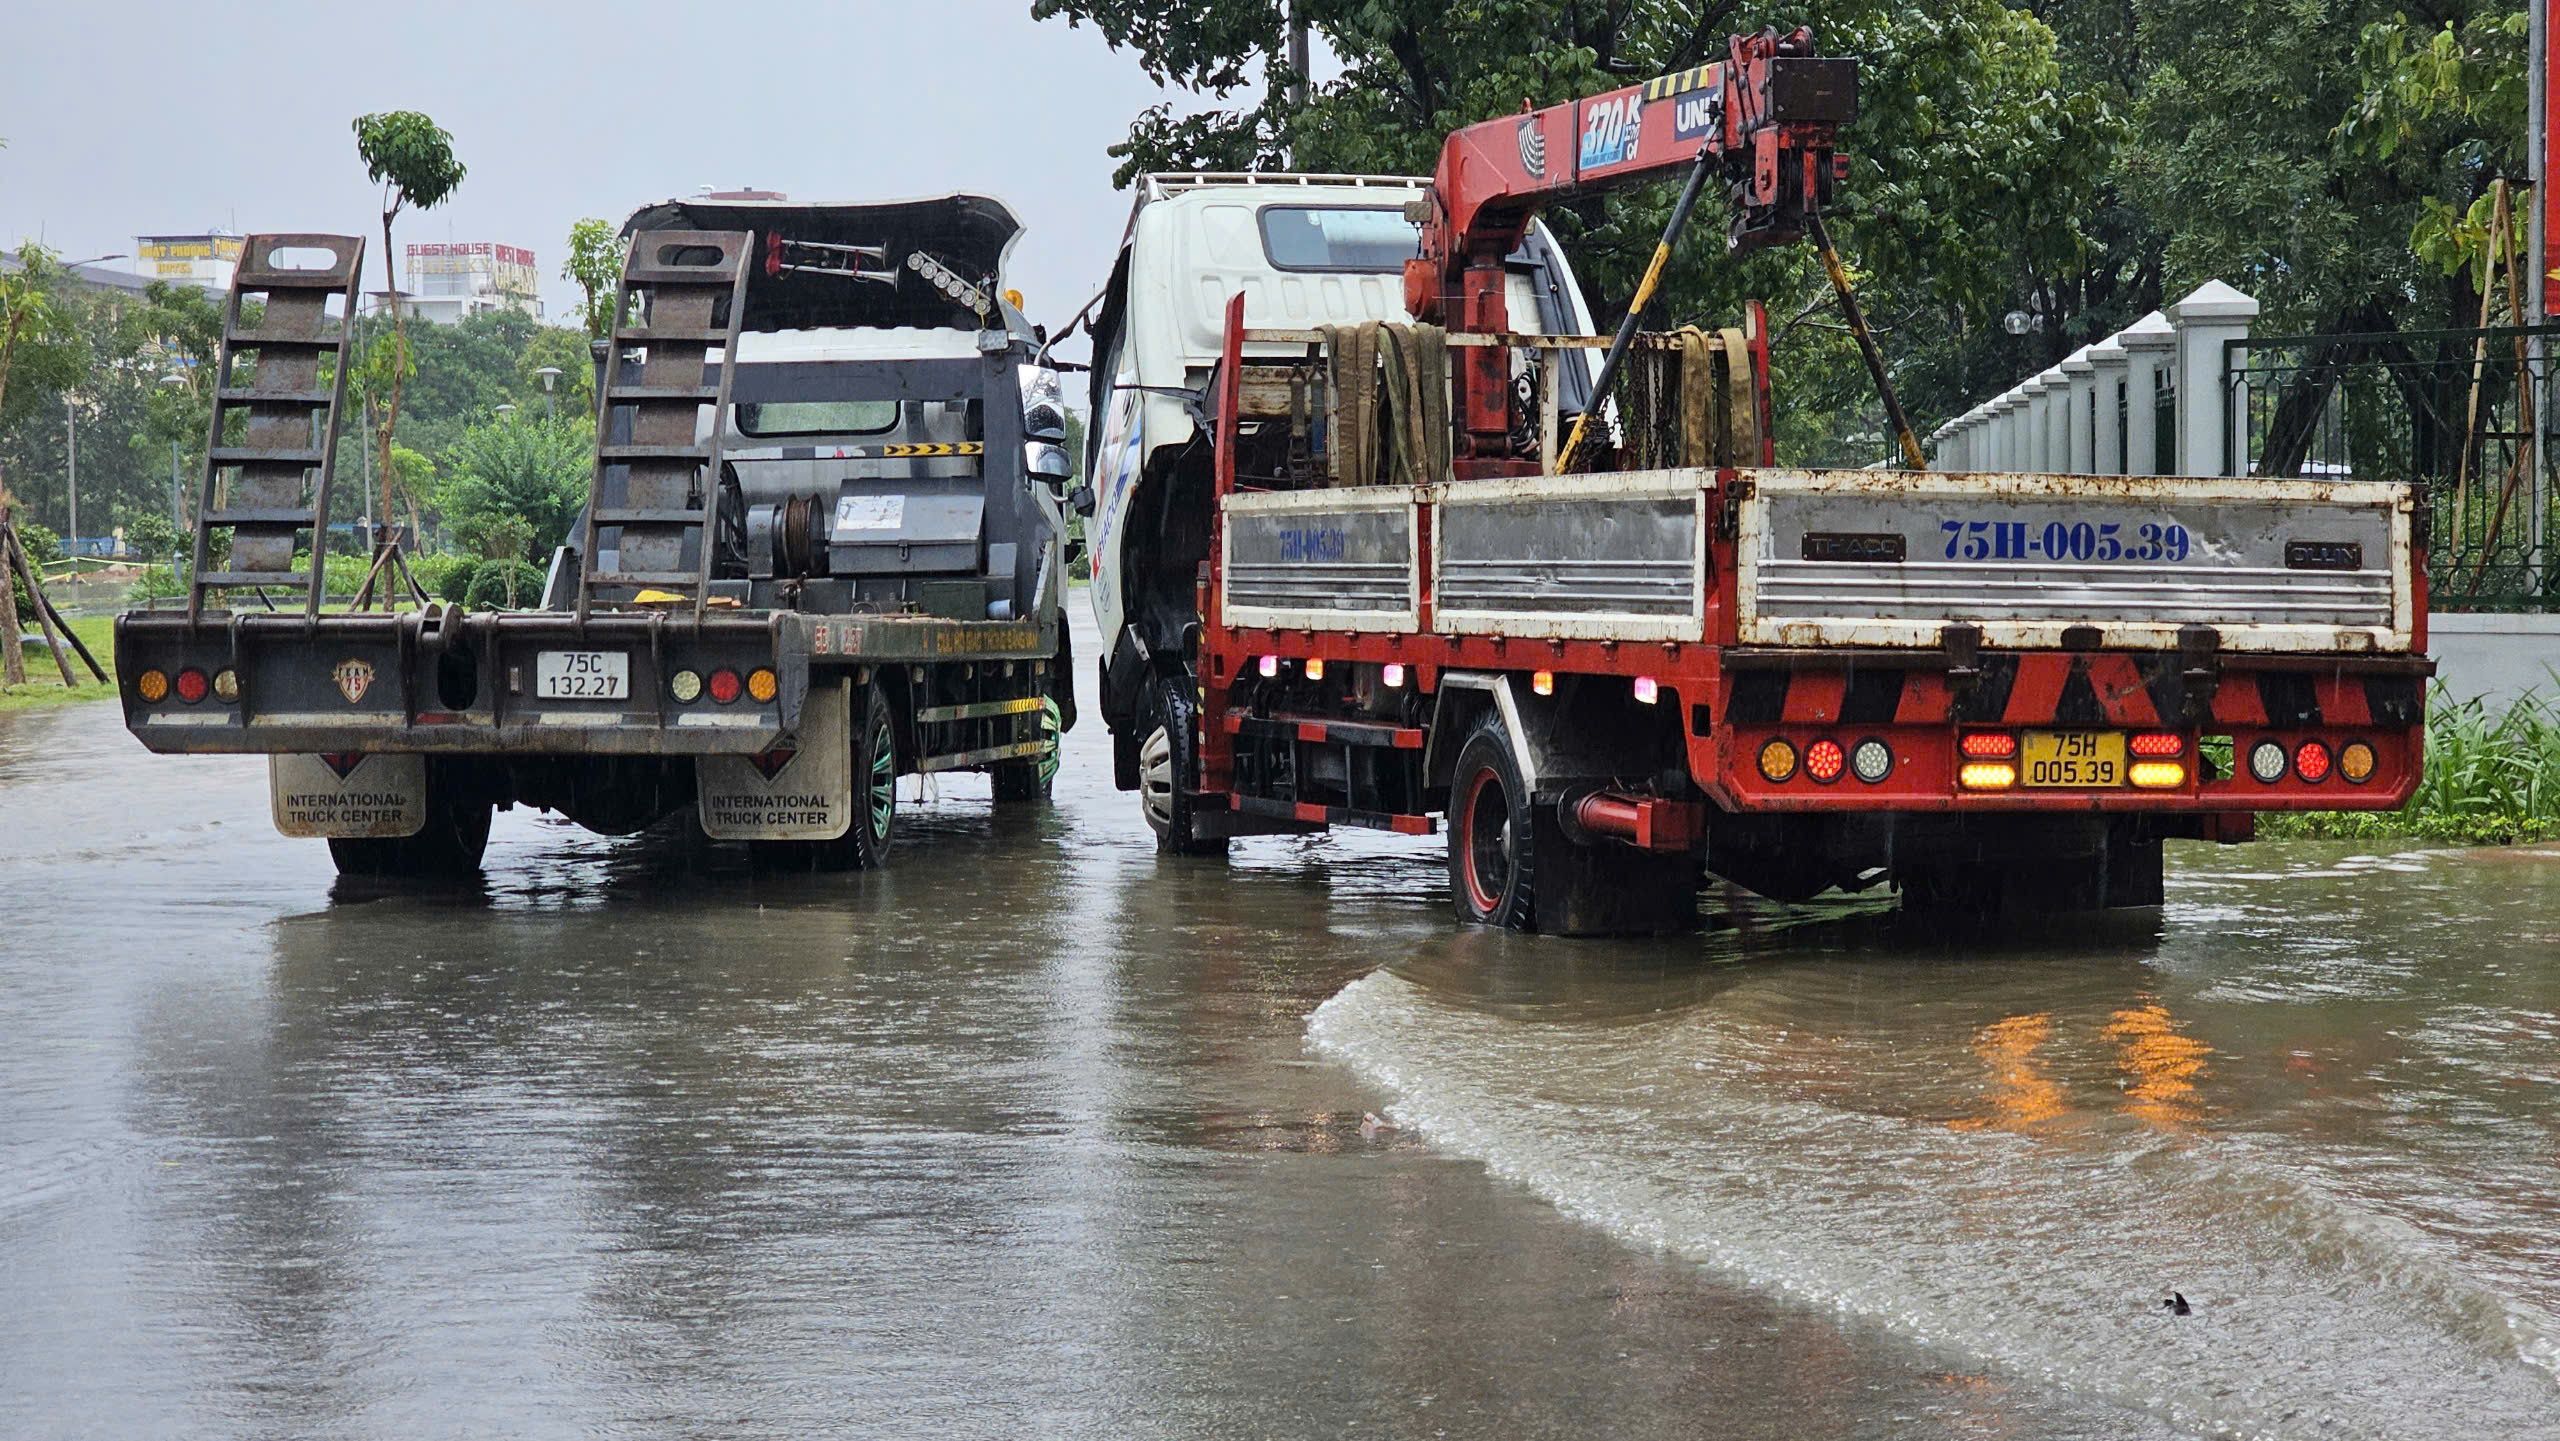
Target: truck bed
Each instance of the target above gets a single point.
(1839, 559)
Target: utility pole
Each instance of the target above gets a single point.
(1297, 55)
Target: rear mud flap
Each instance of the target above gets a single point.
(348, 796)
(799, 790)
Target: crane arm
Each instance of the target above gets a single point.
(1766, 119)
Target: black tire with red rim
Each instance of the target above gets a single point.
(1492, 838)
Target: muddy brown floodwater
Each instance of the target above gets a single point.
(1035, 1134)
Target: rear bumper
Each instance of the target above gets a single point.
(1921, 712)
(438, 681)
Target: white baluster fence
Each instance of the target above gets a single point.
(2155, 398)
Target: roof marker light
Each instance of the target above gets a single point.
(1270, 665)
(1315, 667)
(1648, 690)
(1392, 674)
(1543, 682)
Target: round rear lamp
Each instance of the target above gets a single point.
(192, 685)
(724, 685)
(2355, 762)
(1824, 760)
(1871, 759)
(761, 686)
(226, 685)
(2267, 762)
(685, 686)
(152, 686)
(2311, 762)
(1777, 761)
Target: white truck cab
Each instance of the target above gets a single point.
(1304, 251)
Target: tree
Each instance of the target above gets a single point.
(595, 263)
(412, 160)
(530, 470)
(39, 338)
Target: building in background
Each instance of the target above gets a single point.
(205, 260)
(454, 280)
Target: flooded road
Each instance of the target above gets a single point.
(1033, 1134)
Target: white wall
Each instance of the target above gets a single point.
(2496, 657)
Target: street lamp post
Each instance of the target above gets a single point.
(71, 467)
(550, 377)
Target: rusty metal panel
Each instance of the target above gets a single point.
(1890, 558)
(1341, 559)
(1617, 557)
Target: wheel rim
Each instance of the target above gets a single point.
(1155, 779)
(1488, 842)
(883, 790)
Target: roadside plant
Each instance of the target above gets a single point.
(411, 158)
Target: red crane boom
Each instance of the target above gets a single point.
(1770, 113)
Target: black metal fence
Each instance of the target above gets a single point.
(2464, 414)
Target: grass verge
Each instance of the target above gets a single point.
(44, 681)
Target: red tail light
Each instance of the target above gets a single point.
(2311, 762)
(724, 685)
(192, 685)
(2159, 745)
(1989, 745)
(1824, 760)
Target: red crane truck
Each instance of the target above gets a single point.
(1992, 691)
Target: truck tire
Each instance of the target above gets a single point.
(1512, 865)
(1031, 780)
(1168, 766)
(450, 844)
(1493, 860)
(865, 843)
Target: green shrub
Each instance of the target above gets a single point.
(489, 586)
(157, 582)
(446, 577)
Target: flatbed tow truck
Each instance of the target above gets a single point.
(823, 550)
(1613, 665)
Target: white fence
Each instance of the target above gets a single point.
(2158, 397)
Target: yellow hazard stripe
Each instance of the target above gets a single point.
(903, 452)
(1680, 82)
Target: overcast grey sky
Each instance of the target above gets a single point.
(152, 117)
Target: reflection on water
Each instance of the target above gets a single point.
(2316, 1098)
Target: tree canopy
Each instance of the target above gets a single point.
(2075, 161)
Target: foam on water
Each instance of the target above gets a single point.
(2042, 1251)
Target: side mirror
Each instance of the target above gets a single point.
(1048, 462)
